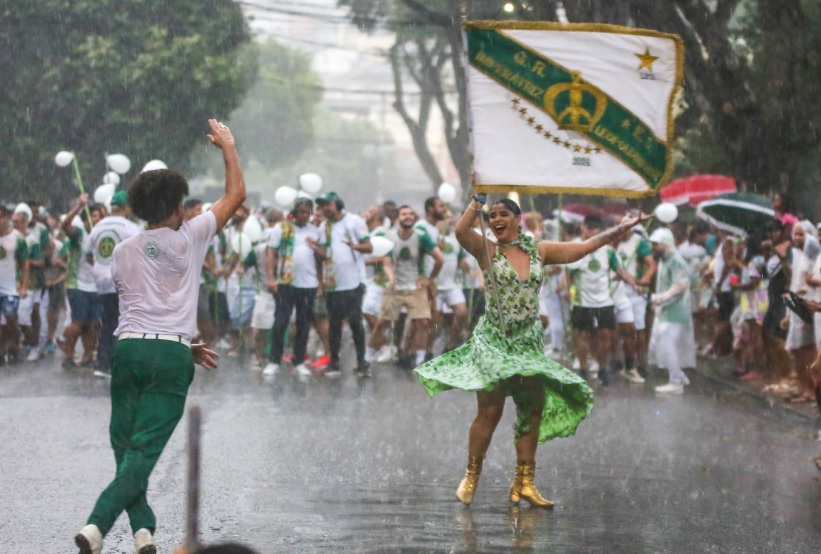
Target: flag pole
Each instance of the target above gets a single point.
(493, 285)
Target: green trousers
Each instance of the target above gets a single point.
(149, 383)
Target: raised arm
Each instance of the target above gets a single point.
(234, 196)
(470, 240)
(569, 252)
(67, 225)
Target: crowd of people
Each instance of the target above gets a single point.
(282, 302)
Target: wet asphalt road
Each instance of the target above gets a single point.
(372, 465)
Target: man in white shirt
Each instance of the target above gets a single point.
(593, 315)
(293, 270)
(105, 236)
(346, 240)
(13, 256)
(156, 273)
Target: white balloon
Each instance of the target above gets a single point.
(119, 163)
(666, 212)
(303, 194)
(381, 246)
(285, 196)
(447, 193)
(252, 228)
(104, 192)
(206, 207)
(111, 178)
(154, 165)
(63, 158)
(22, 207)
(310, 182)
(241, 244)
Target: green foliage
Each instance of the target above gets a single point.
(139, 77)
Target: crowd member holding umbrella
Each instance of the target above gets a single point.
(505, 355)
(156, 273)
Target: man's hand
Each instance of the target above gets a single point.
(272, 286)
(220, 134)
(22, 291)
(81, 200)
(630, 221)
(204, 356)
(782, 249)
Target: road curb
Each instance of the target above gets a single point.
(773, 404)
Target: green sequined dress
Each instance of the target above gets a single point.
(492, 356)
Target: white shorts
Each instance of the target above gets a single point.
(264, 307)
(446, 299)
(624, 313)
(372, 300)
(639, 303)
(26, 308)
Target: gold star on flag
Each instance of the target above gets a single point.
(557, 140)
(646, 60)
(531, 120)
(597, 150)
(515, 100)
(539, 128)
(577, 148)
(523, 111)
(587, 150)
(548, 134)
(566, 144)
(625, 123)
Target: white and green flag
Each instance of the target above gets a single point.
(584, 109)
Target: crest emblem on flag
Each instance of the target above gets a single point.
(579, 108)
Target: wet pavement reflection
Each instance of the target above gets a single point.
(353, 465)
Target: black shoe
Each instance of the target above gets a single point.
(333, 370)
(70, 364)
(404, 361)
(642, 371)
(584, 374)
(428, 356)
(604, 377)
(363, 370)
(14, 356)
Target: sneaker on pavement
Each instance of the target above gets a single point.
(102, 374)
(322, 361)
(256, 366)
(685, 381)
(87, 364)
(302, 370)
(384, 355)
(577, 365)
(144, 542)
(671, 388)
(70, 364)
(223, 344)
(271, 369)
(633, 376)
(363, 370)
(49, 347)
(34, 355)
(89, 540)
(333, 371)
(594, 366)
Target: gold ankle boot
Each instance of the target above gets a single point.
(467, 488)
(523, 486)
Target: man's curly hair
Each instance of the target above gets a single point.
(154, 195)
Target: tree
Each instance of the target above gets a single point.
(275, 122)
(754, 101)
(139, 77)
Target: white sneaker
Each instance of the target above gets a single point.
(89, 540)
(144, 542)
(577, 365)
(671, 388)
(386, 354)
(223, 344)
(256, 366)
(34, 355)
(594, 366)
(303, 371)
(686, 381)
(633, 376)
(271, 369)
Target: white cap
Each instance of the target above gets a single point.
(22, 207)
(663, 235)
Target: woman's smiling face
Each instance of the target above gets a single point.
(504, 223)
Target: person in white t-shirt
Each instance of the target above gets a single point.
(156, 273)
(293, 268)
(450, 298)
(105, 236)
(13, 256)
(346, 240)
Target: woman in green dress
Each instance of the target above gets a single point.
(505, 356)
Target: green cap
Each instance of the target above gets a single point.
(327, 197)
(120, 198)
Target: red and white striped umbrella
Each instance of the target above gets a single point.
(697, 188)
